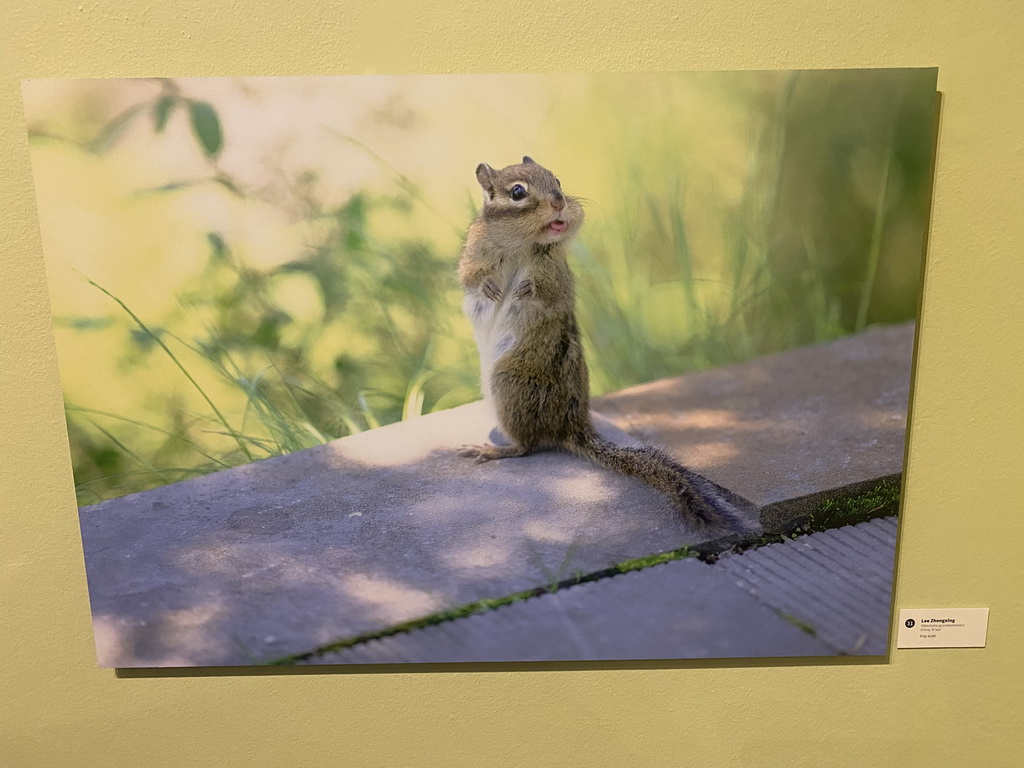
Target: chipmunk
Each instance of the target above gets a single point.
(520, 299)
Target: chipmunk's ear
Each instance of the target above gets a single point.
(527, 160)
(485, 175)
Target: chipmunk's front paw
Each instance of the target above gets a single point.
(491, 290)
(524, 290)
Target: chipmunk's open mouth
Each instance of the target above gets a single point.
(558, 226)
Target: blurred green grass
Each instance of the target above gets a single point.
(816, 230)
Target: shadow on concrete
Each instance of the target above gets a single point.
(287, 554)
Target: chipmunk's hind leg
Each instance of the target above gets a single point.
(484, 453)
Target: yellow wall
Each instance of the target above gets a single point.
(962, 532)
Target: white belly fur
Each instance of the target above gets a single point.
(493, 328)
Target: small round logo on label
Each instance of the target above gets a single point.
(909, 623)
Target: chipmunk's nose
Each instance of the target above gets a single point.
(557, 201)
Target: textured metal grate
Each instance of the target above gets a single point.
(682, 609)
(837, 582)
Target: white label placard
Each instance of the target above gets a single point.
(942, 628)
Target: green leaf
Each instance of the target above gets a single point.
(109, 134)
(162, 112)
(82, 322)
(218, 248)
(206, 126)
(171, 186)
(146, 338)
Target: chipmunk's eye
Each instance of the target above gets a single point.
(518, 192)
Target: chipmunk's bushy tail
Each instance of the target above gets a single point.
(698, 499)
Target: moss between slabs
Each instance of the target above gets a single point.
(880, 500)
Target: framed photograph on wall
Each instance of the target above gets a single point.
(406, 369)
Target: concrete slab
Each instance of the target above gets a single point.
(784, 431)
(287, 554)
(838, 582)
(680, 610)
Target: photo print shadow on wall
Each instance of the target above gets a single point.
(532, 368)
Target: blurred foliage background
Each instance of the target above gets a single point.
(244, 268)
